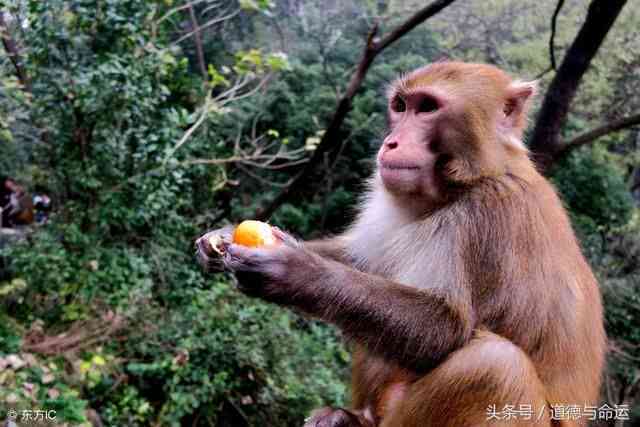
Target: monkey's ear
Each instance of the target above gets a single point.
(515, 108)
(519, 98)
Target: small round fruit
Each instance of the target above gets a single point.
(253, 234)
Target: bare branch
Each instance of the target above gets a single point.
(178, 9)
(208, 24)
(417, 19)
(552, 54)
(80, 335)
(331, 137)
(250, 160)
(544, 72)
(257, 87)
(211, 7)
(261, 179)
(240, 83)
(203, 115)
(197, 40)
(220, 101)
(11, 47)
(592, 135)
(253, 152)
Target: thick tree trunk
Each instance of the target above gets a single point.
(545, 140)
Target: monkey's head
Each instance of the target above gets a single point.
(452, 124)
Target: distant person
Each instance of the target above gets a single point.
(41, 204)
(6, 185)
(16, 205)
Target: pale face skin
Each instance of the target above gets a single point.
(408, 160)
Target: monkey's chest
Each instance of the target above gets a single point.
(422, 265)
(417, 254)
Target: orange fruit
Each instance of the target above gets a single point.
(253, 234)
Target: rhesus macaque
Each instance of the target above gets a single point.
(460, 283)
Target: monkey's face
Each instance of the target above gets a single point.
(410, 160)
(450, 124)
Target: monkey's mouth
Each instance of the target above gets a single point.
(399, 166)
(399, 174)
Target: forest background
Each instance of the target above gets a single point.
(148, 122)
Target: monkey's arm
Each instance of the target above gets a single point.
(334, 248)
(414, 327)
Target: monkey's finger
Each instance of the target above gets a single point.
(215, 240)
(209, 264)
(225, 233)
(333, 418)
(207, 257)
(316, 415)
(202, 245)
(242, 258)
(284, 237)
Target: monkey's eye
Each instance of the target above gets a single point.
(428, 105)
(398, 105)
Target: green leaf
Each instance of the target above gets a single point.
(278, 61)
(216, 78)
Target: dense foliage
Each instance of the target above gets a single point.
(143, 145)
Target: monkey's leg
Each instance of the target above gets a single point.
(489, 372)
(337, 417)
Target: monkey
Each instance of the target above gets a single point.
(460, 283)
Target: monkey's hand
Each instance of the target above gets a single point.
(275, 272)
(210, 247)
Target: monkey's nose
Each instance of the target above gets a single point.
(391, 145)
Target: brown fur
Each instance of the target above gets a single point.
(504, 257)
(506, 248)
(461, 282)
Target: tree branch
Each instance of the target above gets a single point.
(594, 134)
(197, 39)
(417, 19)
(13, 53)
(545, 138)
(552, 53)
(331, 137)
(208, 24)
